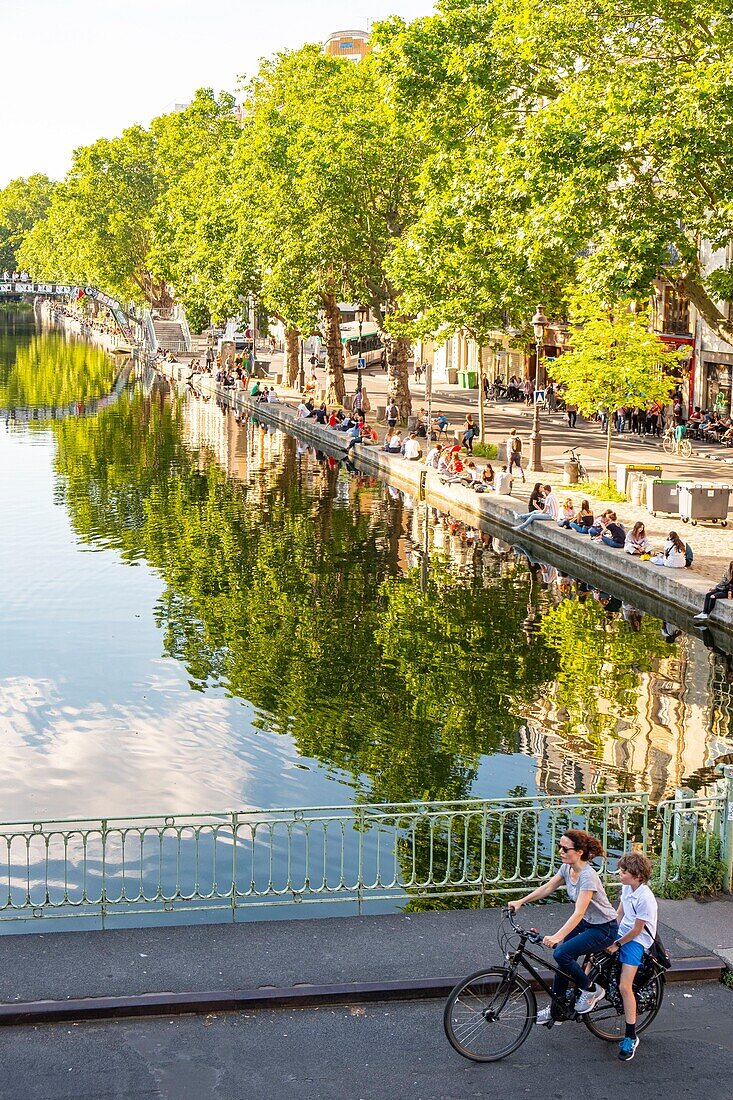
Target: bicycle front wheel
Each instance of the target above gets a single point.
(607, 1022)
(489, 1015)
(685, 448)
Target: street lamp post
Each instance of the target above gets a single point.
(539, 324)
(361, 316)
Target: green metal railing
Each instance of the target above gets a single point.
(240, 861)
(693, 828)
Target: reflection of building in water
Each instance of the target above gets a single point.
(673, 731)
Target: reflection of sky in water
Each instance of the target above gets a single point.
(92, 719)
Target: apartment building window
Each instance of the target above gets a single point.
(676, 312)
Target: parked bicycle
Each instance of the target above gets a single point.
(575, 457)
(675, 441)
(490, 1014)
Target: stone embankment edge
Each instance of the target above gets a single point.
(698, 969)
(660, 592)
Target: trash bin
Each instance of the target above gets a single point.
(624, 469)
(452, 376)
(703, 500)
(662, 495)
(570, 472)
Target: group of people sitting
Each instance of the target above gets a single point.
(544, 504)
(712, 427)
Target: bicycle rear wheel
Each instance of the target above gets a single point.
(668, 443)
(489, 1015)
(608, 1023)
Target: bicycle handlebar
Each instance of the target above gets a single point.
(531, 933)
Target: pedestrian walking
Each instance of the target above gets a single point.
(469, 433)
(572, 410)
(514, 453)
(392, 413)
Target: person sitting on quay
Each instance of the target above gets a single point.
(567, 512)
(320, 415)
(676, 553)
(636, 541)
(272, 398)
(582, 521)
(411, 448)
(433, 456)
(472, 475)
(599, 526)
(723, 590)
(550, 511)
(393, 445)
(488, 477)
(613, 533)
(503, 482)
(536, 501)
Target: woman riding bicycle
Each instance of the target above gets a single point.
(592, 925)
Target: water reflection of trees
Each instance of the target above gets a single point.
(48, 371)
(291, 588)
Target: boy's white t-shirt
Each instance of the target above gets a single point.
(639, 904)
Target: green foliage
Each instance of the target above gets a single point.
(485, 450)
(604, 490)
(23, 202)
(727, 978)
(47, 371)
(701, 872)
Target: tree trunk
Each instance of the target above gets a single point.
(608, 449)
(481, 376)
(292, 356)
(335, 387)
(707, 308)
(398, 354)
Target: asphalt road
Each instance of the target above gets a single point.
(370, 1052)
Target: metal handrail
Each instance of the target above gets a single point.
(236, 860)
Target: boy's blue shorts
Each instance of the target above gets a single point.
(631, 953)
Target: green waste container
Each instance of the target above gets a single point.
(662, 495)
(468, 379)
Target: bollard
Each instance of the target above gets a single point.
(570, 473)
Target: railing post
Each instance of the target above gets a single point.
(726, 771)
(103, 892)
(235, 816)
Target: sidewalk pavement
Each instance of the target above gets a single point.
(286, 953)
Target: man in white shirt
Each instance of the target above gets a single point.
(411, 448)
(550, 511)
(503, 482)
(302, 412)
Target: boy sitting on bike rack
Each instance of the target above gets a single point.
(637, 913)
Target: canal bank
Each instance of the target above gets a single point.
(668, 594)
(294, 963)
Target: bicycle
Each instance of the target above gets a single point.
(490, 1014)
(575, 457)
(672, 445)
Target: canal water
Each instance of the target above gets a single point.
(200, 615)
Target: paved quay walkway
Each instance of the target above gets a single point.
(325, 951)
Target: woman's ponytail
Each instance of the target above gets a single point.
(588, 846)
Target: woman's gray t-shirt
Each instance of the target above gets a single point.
(600, 910)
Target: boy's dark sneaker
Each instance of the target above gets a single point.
(627, 1049)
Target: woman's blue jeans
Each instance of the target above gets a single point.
(607, 540)
(584, 939)
(579, 527)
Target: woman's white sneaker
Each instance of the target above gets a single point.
(588, 999)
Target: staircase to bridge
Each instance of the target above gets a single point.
(170, 335)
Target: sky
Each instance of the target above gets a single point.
(73, 71)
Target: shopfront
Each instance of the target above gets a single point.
(718, 381)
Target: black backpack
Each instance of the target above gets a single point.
(659, 953)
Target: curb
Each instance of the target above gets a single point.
(700, 968)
